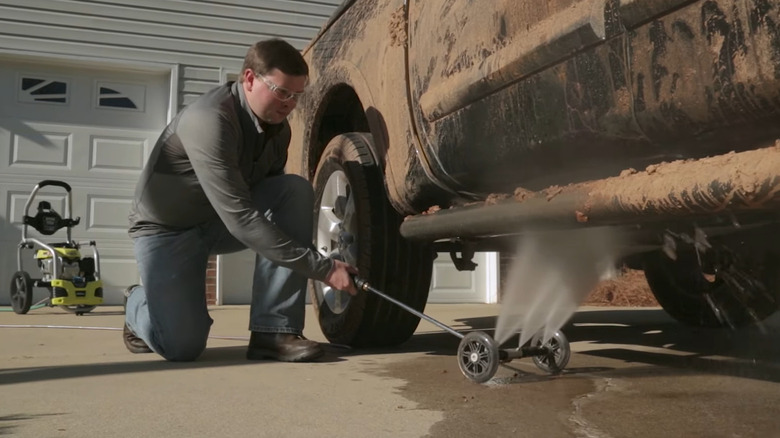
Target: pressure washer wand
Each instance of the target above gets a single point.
(365, 286)
(478, 354)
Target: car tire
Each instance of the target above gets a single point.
(737, 294)
(354, 221)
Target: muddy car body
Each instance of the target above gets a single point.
(452, 126)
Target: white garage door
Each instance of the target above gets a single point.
(92, 128)
(448, 285)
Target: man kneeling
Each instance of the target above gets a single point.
(214, 184)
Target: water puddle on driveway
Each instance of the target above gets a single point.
(514, 403)
(592, 401)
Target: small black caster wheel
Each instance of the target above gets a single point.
(478, 357)
(21, 292)
(558, 353)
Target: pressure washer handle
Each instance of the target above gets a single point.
(360, 283)
(52, 182)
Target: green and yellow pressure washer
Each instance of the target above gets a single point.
(73, 282)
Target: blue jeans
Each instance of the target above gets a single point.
(169, 310)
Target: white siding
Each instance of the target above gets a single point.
(205, 38)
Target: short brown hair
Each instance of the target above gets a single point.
(275, 53)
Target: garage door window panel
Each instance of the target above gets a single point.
(117, 96)
(35, 89)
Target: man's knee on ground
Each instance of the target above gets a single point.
(185, 349)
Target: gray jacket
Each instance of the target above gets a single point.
(201, 169)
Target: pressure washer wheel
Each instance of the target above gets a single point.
(21, 292)
(478, 357)
(559, 352)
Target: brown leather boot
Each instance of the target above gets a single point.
(284, 347)
(132, 342)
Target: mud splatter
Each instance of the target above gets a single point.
(522, 194)
(553, 191)
(495, 198)
(397, 28)
(432, 210)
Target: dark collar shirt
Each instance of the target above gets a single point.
(202, 168)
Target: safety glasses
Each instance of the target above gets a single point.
(280, 93)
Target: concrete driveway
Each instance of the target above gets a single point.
(632, 373)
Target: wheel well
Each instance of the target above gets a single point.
(341, 112)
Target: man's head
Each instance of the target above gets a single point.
(273, 76)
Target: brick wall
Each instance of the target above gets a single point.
(211, 281)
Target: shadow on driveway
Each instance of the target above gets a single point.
(646, 336)
(212, 357)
